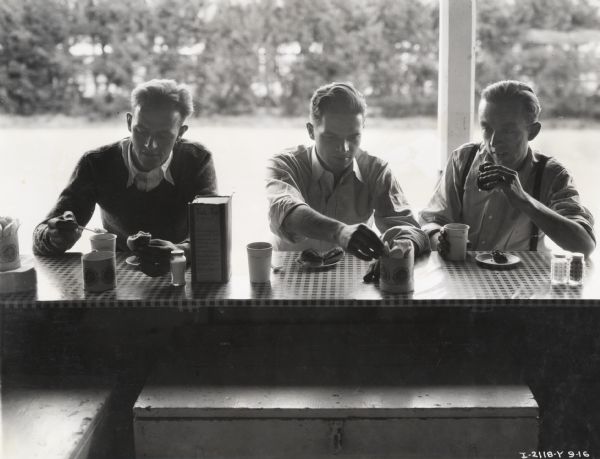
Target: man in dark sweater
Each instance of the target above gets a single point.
(141, 183)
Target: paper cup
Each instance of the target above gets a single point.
(9, 252)
(457, 235)
(259, 261)
(104, 242)
(99, 271)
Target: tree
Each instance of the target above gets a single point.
(240, 56)
(35, 66)
(229, 62)
(404, 58)
(115, 33)
(554, 66)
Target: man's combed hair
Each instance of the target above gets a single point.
(337, 98)
(159, 92)
(502, 91)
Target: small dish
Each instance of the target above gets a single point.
(306, 265)
(485, 260)
(133, 260)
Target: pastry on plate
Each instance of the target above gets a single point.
(137, 241)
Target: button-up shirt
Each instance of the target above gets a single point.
(494, 222)
(146, 181)
(366, 191)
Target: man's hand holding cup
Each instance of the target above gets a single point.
(453, 241)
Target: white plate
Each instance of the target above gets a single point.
(132, 260)
(323, 266)
(486, 260)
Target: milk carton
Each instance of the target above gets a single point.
(210, 234)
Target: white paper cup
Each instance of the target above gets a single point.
(99, 271)
(457, 235)
(9, 252)
(259, 261)
(104, 242)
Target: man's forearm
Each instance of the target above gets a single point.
(309, 223)
(568, 234)
(42, 244)
(416, 235)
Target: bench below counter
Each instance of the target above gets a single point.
(324, 422)
(52, 423)
(232, 409)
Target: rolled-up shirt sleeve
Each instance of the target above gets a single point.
(445, 205)
(392, 211)
(564, 200)
(283, 194)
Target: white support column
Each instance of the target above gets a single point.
(456, 78)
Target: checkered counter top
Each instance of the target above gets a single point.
(437, 283)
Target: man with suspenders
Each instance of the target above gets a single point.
(509, 195)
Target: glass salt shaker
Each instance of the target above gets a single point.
(178, 265)
(559, 268)
(577, 269)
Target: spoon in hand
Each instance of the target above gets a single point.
(93, 230)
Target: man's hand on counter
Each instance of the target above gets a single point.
(360, 241)
(443, 245)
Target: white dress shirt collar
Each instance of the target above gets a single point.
(146, 180)
(318, 170)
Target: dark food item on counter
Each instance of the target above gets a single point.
(333, 256)
(484, 186)
(498, 256)
(311, 257)
(138, 240)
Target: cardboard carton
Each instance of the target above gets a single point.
(210, 234)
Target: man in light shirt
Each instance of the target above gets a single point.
(329, 193)
(509, 195)
(141, 183)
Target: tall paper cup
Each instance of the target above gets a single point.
(259, 261)
(99, 271)
(9, 247)
(104, 242)
(457, 235)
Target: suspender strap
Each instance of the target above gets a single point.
(466, 170)
(537, 185)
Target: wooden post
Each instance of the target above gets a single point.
(456, 79)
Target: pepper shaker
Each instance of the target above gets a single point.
(577, 269)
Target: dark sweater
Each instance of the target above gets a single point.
(100, 177)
